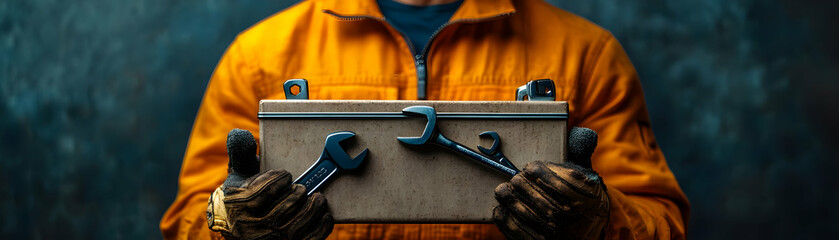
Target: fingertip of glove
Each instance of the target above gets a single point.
(502, 187)
(518, 180)
(328, 223)
(324, 228)
(318, 199)
(328, 218)
(498, 215)
(503, 192)
(298, 189)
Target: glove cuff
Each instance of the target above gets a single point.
(217, 218)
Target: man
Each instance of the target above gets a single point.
(475, 50)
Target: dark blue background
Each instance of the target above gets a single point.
(98, 98)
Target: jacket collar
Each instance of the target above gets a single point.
(470, 10)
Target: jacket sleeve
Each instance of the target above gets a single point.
(230, 101)
(646, 201)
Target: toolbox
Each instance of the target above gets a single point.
(405, 183)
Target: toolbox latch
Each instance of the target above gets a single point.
(302, 85)
(537, 90)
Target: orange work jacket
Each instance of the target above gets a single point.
(347, 50)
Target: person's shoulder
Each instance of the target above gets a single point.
(550, 20)
(280, 25)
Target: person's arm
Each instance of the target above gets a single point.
(646, 201)
(230, 101)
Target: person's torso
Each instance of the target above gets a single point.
(347, 50)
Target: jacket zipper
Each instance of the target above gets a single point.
(420, 62)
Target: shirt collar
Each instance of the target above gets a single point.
(470, 10)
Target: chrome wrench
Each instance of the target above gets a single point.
(432, 135)
(332, 160)
(495, 150)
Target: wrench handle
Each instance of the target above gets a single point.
(506, 162)
(459, 148)
(316, 175)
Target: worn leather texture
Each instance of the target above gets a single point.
(552, 201)
(269, 206)
(266, 205)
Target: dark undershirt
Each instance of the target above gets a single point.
(418, 23)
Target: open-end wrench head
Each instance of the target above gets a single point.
(350, 164)
(430, 114)
(496, 143)
(337, 153)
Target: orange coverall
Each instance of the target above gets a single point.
(346, 50)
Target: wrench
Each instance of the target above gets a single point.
(495, 150)
(432, 134)
(331, 160)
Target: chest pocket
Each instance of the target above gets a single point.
(490, 88)
(486, 92)
(349, 88)
(354, 92)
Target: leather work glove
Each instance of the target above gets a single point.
(252, 205)
(550, 200)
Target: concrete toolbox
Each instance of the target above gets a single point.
(399, 182)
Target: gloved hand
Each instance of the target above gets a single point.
(252, 205)
(550, 200)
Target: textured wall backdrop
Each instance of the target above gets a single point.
(98, 98)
